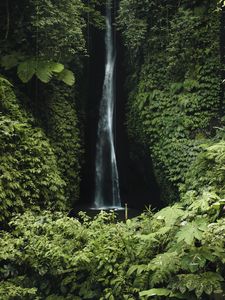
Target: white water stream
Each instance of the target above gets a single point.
(107, 193)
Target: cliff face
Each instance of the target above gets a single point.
(174, 82)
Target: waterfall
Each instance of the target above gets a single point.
(106, 178)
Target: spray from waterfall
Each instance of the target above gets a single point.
(106, 178)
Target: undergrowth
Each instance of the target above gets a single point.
(175, 253)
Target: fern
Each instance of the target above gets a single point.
(10, 290)
(138, 269)
(4, 81)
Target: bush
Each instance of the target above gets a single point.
(175, 253)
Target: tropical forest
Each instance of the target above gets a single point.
(112, 149)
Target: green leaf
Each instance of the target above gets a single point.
(155, 292)
(170, 214)
(56, 67)
(67, 77)
(11, 60)
(26, 70)
(191, 231)
(44, 72)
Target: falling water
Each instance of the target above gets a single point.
(107, 182)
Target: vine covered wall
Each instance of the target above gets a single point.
(62, 127)
(43, 45)
(176, 103)
(29, 175)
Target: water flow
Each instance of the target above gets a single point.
(107, 181)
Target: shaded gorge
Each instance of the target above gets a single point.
(137, 184)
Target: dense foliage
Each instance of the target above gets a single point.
(176, 100)
(61, 122)
(42, 38)
(175, 108)
(29, 177)
(175, 253)
(40, 134)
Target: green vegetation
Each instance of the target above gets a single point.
(176, 102)
(174, 55)
(62, 129)
(40, 134)
(28, 167)
(176, 253)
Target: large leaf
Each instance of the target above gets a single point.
(26, 70)
(56, 67)
(155, 292)
(43, 69)
(44, 72)
(67, 77)
(169, 214)
(191, 231)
